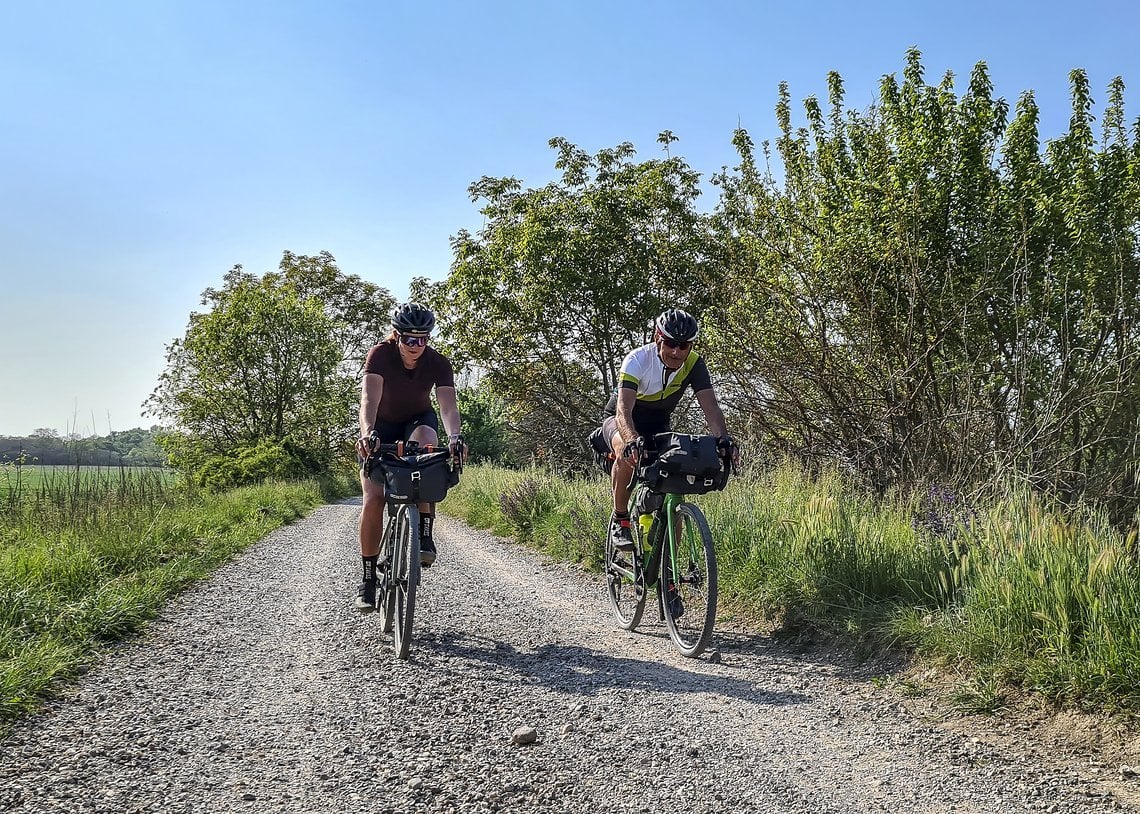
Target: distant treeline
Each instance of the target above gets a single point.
(48, 448)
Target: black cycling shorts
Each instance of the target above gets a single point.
(647, 429)
(390, 432)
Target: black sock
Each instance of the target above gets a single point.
(619, 516)
(426, 522)
(370, 567)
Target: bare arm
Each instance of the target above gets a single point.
(448, 410)
(371, 389)
(713, 414)
(449, 414)
(627, 397)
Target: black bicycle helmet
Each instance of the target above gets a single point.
(677, 324)
(412, 318)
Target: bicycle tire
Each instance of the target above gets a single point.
(627, 596)
(406, 578)
(688, 574)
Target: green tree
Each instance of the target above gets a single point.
(485, 426)
(927, 294)
(562, 281)
(273, 363)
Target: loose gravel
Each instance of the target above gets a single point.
(262, 690)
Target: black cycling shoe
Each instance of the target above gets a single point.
(366, 596)
(620, 536)
(427, 552)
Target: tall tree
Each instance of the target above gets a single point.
(275, 360)
(562, 281)
(926, 293)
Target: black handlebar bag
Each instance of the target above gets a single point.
(685, 465)
(421, 478)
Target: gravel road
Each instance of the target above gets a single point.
(262, 690)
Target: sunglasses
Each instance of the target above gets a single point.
(674, 344)
(413, 341)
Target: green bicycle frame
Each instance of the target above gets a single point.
(657, 538)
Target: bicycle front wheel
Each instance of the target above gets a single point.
(405, 578)
(688, 582)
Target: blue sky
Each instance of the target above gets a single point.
(147, 147)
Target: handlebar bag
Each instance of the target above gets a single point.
(423, 478)
(685, 465)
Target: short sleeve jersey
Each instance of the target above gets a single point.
(407, 393)
(659, 389)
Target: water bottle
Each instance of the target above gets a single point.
(645, 521)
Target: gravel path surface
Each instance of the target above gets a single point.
(262, 690)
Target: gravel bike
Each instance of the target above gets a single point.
(411, 474)
(673, 552)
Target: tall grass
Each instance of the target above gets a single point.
(88, 557)
(1047, 600)
(1015, 592)
(564, 518)
(65, 496)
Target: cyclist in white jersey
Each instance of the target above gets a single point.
(651, 383)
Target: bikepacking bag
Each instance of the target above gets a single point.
(601, 448)
(685, 465)
(423, 478)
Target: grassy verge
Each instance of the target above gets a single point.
(1013, 594)
(90, 559)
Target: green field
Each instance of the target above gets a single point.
(30, 478)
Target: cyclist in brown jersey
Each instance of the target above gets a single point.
(395, 405)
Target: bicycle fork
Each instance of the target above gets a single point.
(665, 563)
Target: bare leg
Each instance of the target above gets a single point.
(425, 436)
(620, 475)
(371, 524)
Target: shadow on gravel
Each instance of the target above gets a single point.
(578, 670)
(804, 650)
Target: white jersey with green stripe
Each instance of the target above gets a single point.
(658, 388)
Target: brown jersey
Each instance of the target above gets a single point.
(407, 393)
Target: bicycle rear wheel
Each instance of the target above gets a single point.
(387, 591)
(625, 580)
(688, 582)
(405, 578)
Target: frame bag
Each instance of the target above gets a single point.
(421, 478)
(685, 465)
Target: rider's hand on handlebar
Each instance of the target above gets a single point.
(727, 443)
(633, 449)
(366, 445)
(457, 448)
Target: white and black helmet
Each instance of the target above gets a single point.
(412, 318)
(678, 325)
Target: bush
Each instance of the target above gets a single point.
(267, 460)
